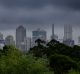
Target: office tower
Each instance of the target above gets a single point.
(67, 32)
(53, 31)
(68, 40)
(38, 34)
(9, 40)
(20, 37)
(1, 36)
(53, 36)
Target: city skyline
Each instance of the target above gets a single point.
(39, 36)
(49, 33)
(39, 14)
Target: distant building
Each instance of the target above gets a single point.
(79, 39)
(53, 34)
(55, 37)
(20, 37)
(1, 36)
(28, 43)
(69, 42)
(39, 34)
(2, 43)
(9, 40)
(67, 32)
(68, 39)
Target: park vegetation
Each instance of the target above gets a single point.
(44, 58)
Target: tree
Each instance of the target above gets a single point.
(61, 64)
(38, 50)
(12, 61)
(39, 42)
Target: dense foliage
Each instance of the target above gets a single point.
(62, 58)
(50, 58)
(14, 62)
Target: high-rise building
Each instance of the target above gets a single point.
(9, 40)
(68, 40)
(53, 36)
(38, 34)
(20, 37)
(67, 32)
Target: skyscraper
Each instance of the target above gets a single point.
(20, 37)
(67, 32)
(68, 40)
(38, 34)
(53, 36)
(9, 40)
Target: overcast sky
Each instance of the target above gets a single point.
(40, 13)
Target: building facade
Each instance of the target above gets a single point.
(20, 37)
(68, 32)
(38, 34)
(68, 36)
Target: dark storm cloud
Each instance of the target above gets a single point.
(38, 12)
(74, 4)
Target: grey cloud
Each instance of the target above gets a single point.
(72, 4)
(41, 12)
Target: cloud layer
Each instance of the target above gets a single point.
(39, 12)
